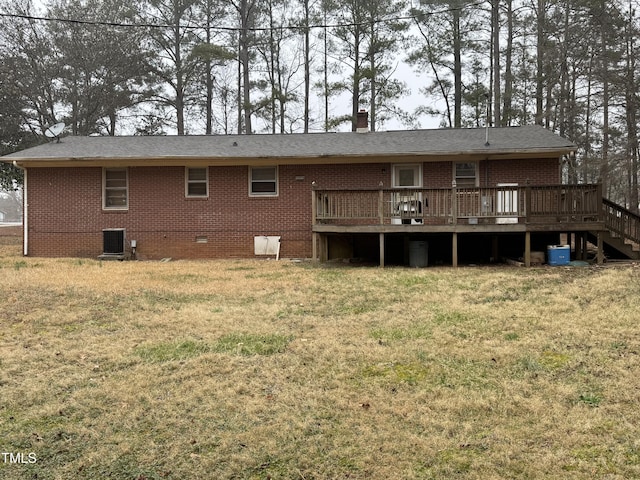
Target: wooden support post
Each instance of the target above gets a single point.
(494, 248)
(454, 203)
(527, 249)
(578, 244)
(600, 195)
(314, 235)
(405, 249)
(314, 246)
(324, 248)
(454, 249)
(381, 206)
(600, 255)
(382, 250)
(314, 207)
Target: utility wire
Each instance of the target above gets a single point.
(415, 18)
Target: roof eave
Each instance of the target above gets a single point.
(186, 160)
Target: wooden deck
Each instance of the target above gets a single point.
(495, 209)
(504, 209)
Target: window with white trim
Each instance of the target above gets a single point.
(465, 174)
(115, 191)
(196, 182)
(263, 181)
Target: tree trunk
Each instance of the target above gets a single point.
(177, 45)
(495, 41)
(244, 10)
(604, 69)
(307, 65)
(587, 122)
(325, 59)
(457, 69)
(373, 73)
(209, 78)
(355, 102)
(540, 53)
(508, 73)
(239, 88)
(631, 113)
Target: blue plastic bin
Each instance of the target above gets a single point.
(558, 255)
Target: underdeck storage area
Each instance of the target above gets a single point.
(423, 250)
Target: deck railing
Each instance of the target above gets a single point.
(621, 221)
(504, 204)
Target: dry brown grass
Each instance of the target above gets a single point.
(258, 369)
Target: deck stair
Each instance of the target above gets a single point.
(623, 229)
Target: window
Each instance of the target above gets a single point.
(263, 181)
(116, 188)
(407, 176)
(196, 182)
(465, 175)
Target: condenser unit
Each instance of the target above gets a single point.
(113, 243)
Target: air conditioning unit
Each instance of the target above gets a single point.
(113, 243)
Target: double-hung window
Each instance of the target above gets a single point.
(115, 192)
(263, 181)
(196, 182)
(465, 174)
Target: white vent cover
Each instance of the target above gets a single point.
(266, 245)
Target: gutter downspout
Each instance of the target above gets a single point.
(25, 212)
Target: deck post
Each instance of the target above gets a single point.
(454, 249)
(527, 249)
(314, 206)
(314, 246)
(454, 202)
(600, 254)
(495, 252)
(600, 194)
(314, 215)
(324, 248)
(381, 206)
(381, 249)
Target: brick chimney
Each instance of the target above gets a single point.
(362, 121)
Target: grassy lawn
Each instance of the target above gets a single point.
(281, 370)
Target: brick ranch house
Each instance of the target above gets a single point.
(468, 195)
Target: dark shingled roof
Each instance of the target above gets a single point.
(502, 142)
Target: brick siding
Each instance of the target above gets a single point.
(66, 217)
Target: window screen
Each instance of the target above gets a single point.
(465, 175)
(264, 181)
(197, 182)
(115, 188)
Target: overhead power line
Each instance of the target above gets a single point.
(75, 21)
